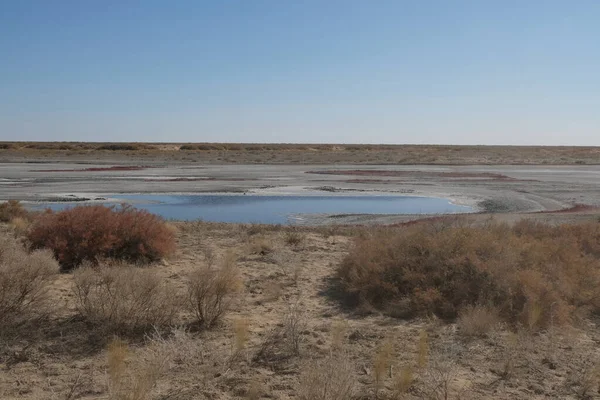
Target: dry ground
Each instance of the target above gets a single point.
(64, 359)
(246, 153)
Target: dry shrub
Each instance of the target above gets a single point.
(260, 245)
(294, 238)
(19, 225)
(478, 320)
(124, 298)
(24, 282)
(331, 378)
(92, 233)
(212, 290)
(283, 342)
(12, 209)
(534, 274)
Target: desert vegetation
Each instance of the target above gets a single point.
(93, 233)
(531, 273)
(12, 209)
(442, 309)
(282, 153)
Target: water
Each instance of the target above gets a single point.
(277, 209)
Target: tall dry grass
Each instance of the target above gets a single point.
(331, 378)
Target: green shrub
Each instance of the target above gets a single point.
(92, 233)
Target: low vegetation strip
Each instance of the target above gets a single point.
(534, 274)
(304, 153)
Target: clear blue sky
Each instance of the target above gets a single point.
(351, 71)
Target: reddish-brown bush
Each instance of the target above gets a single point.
(92, 233)
(533, 273)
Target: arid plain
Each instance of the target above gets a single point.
(289, 329)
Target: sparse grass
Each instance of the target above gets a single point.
(312, 351)
(403, 381)
(338, 334)
(382, 362)
(25, 279)
(241, 334)
(331, 378)
(92, 233)
(211, 290)
(134, 382)
(533, 274)
(283, 342)
(124, 299)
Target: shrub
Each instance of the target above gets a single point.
(477, 320)
(211, 291)
(124, 298)
(331, 378)
(294, 238)
(12, 209)
(92, 233)
(283, 342)
(24, 282)
(19, 226)
(533, 273)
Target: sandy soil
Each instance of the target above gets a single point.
(505, 189)
(67, 360)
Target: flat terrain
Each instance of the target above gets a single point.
(66, 359)
(247, 153)
(505, 189)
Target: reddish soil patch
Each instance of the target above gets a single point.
(369, 181)
(96, 169)
(211, 178)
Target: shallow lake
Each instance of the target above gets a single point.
(277, 209)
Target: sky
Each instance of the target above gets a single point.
(521, 72)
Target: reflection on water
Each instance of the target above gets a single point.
(278, 209)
